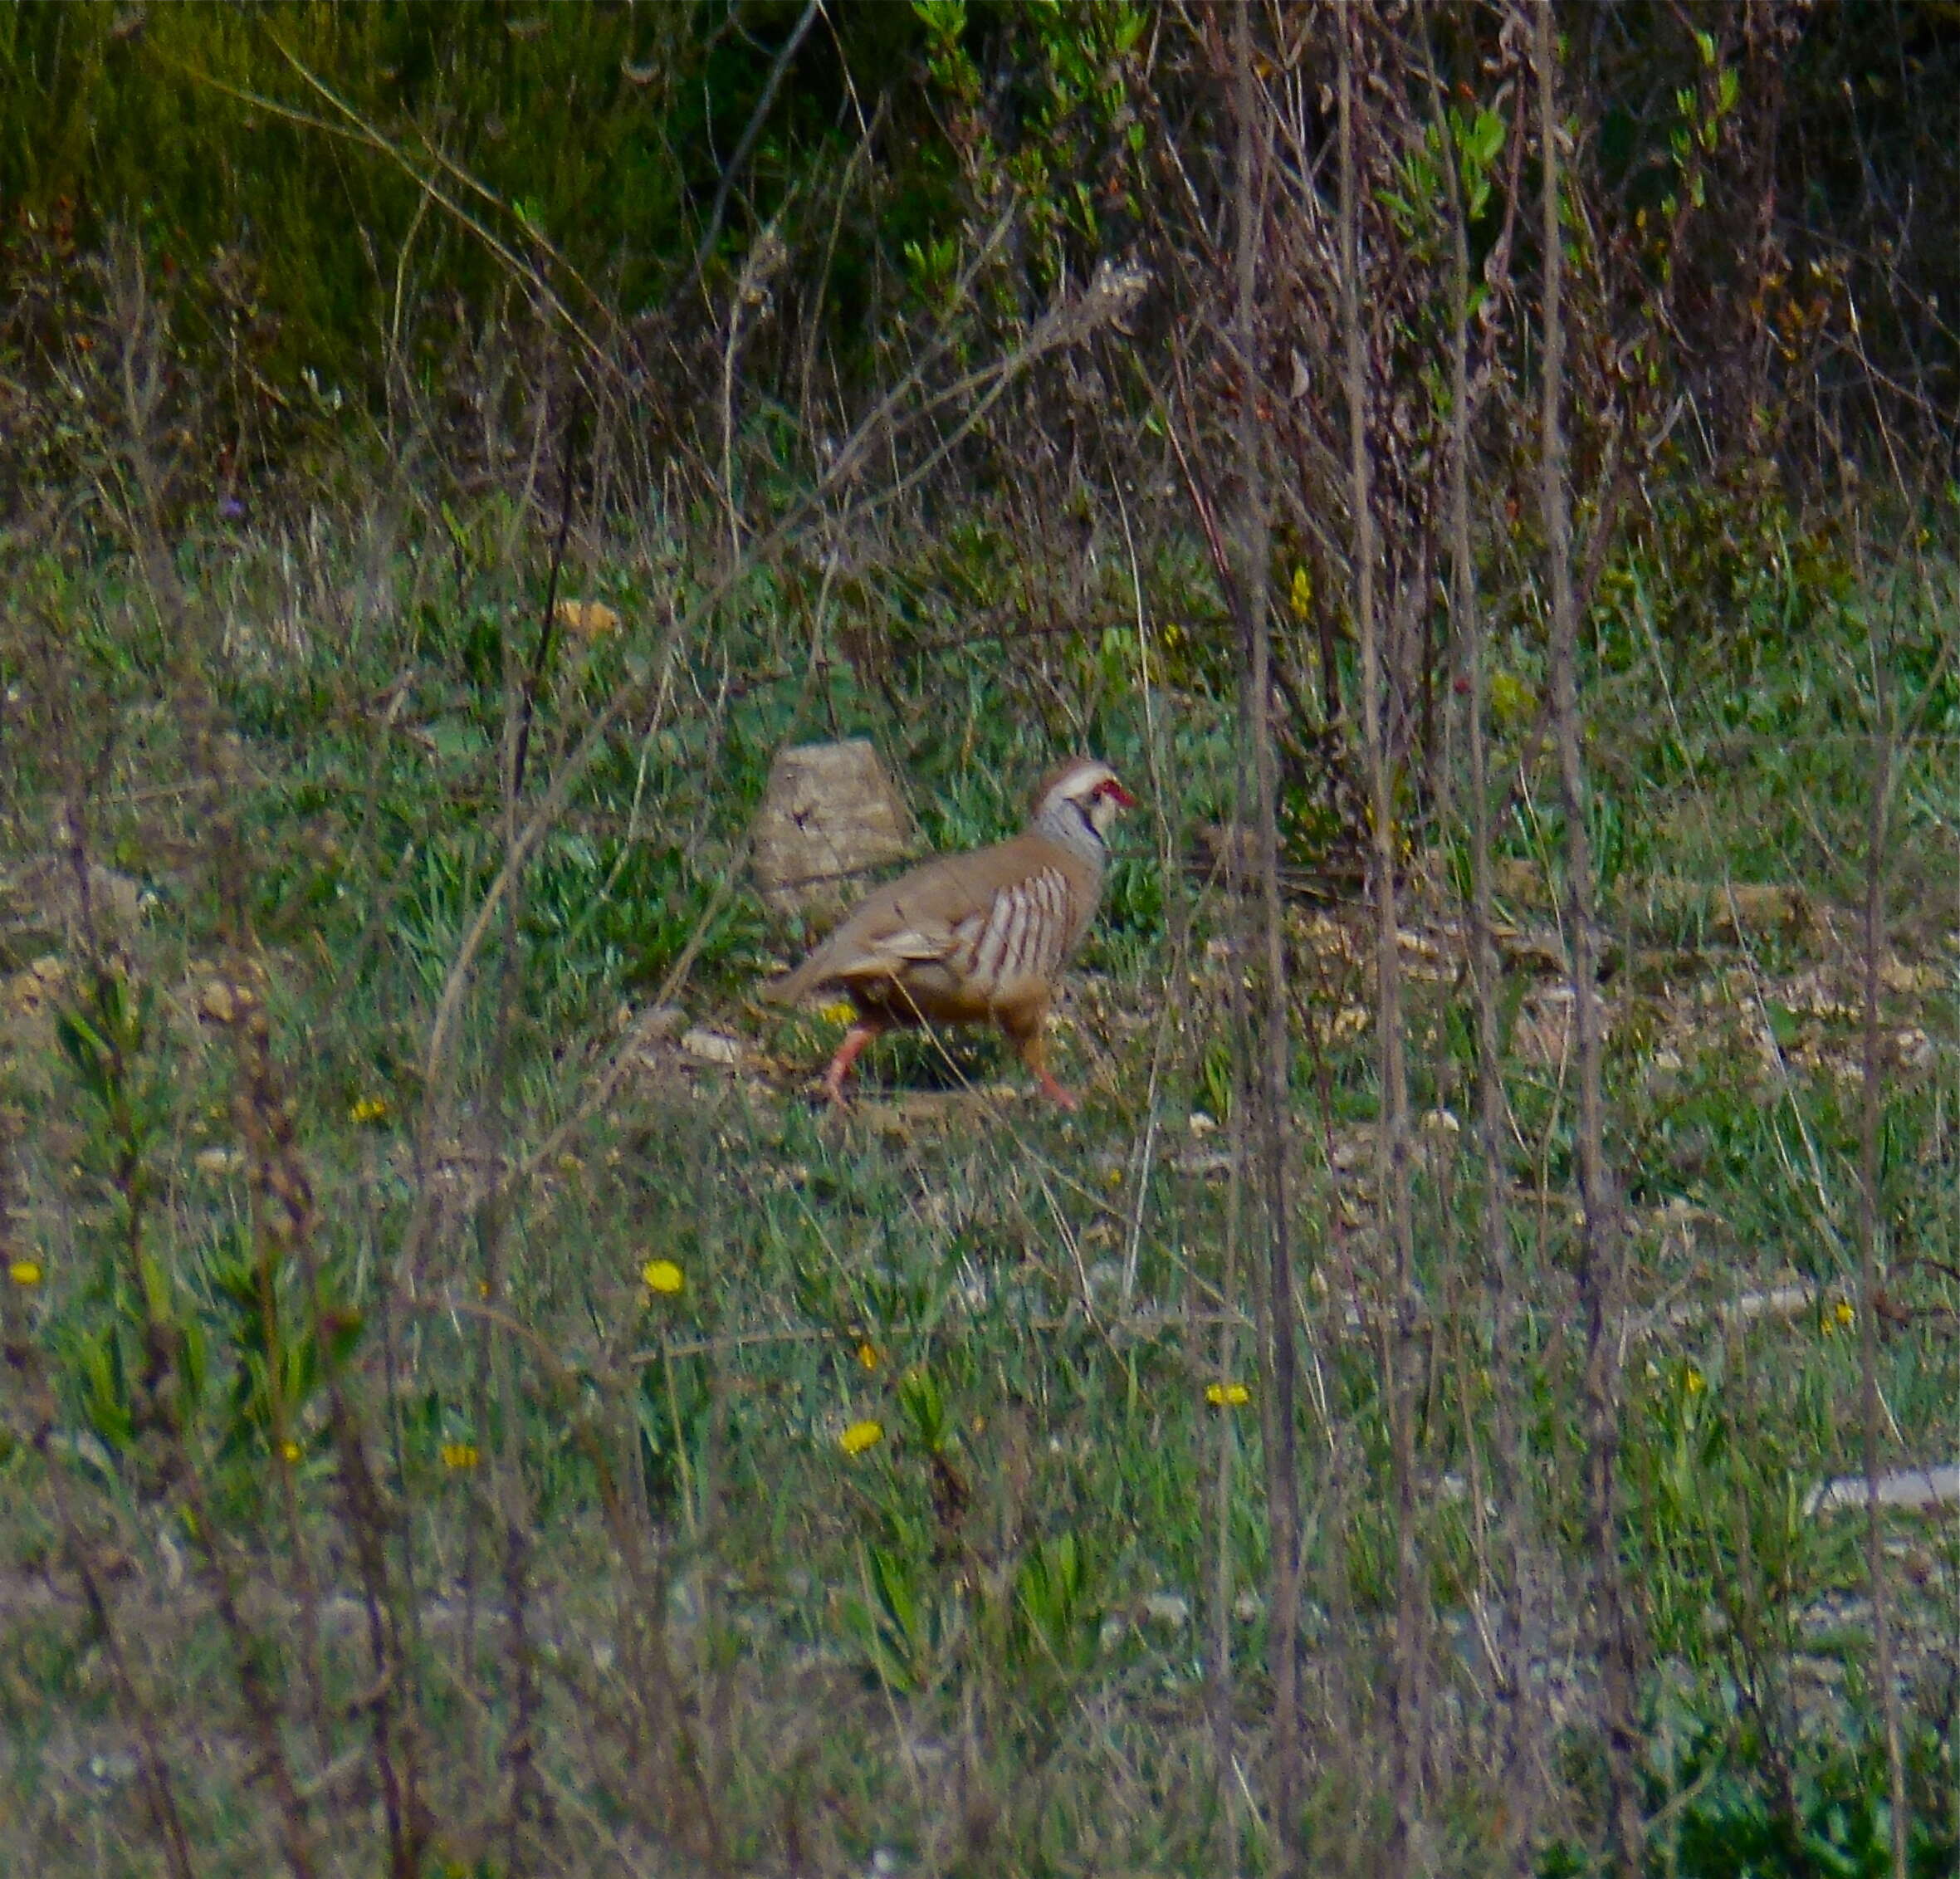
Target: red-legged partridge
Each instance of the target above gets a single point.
(974, 938)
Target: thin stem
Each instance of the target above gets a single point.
(1601, 1280)
(1283, 1490)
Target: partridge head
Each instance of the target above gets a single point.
(974, 939)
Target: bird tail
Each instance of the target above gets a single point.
(792, 988)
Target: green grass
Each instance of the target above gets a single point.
(979, 1642)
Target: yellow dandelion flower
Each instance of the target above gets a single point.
(1227, 1396)
(290, 1450)
(839, 1011)
(1846, 1313)
(663, 1276)
(459, 1455)
(24, 1272)
(368, 1109)
(868, 1355)
(860, 1436)
(1300, 593)
(590, 619)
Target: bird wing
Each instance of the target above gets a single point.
(920, 919)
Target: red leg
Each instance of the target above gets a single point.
(848, 1053)
(1062, 1097)
(1035, 1055)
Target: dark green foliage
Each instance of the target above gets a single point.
(241, 142)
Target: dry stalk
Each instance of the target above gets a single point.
(1513, 1647)
(1870, 1274)
(1274, 1028)
(496, 1396)
(1601, 1282)
(1393, 1203)
(778, 70)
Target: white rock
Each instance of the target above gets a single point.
(711, 1047)
(1166, 1609)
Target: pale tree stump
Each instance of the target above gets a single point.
(830, 818)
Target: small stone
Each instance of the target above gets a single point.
(1106, 1275)
(711, 1047)
(1166, 1609)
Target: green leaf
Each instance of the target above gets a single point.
(942, 19)
(922, 1401)
(85, 1046)
(156, 1287)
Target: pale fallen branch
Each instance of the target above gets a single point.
(1925, 1489)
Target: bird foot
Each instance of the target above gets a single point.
(848, 1054)
(1062, 1098)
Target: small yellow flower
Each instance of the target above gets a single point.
(590, 619)
(482, 1288)
(860, 1436)
(663, 1275)
(1227, 1396)
(839, 1011)
(1300, 593)
(290, 1450)
(24, 1272)
(868, 1355)
(459, 1455)
(1693, 1383)
(1846, 1313)
(368, 1109)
